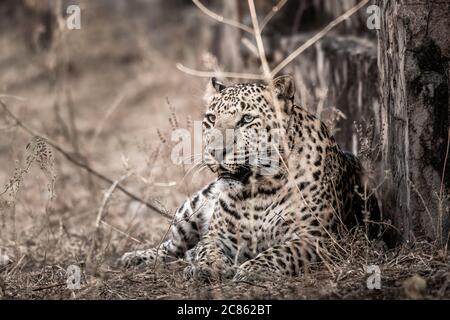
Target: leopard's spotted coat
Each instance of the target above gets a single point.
(249, 222)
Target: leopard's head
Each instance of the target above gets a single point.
(244, 125)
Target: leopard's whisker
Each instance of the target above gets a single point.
(191, 169)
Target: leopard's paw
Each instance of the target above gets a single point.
(208, 273)
(248, 273)
(199, 273)
(137, 258)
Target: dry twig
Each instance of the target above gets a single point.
(272, 13)
(221, 19)
(210, 74)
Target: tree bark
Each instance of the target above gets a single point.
(338, 72)
(230, 43)
(414, 52)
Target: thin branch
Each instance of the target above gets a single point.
(258, 38)
(250, 46)
(13, 270)
(106, 198)
(221, 19)
(423, 202)
(121, 232)
(210, 74)
(445, 165)
(2, 96)
(78, 163)
(272, 13)
(318, 36)
(298, 16)
(117, 102)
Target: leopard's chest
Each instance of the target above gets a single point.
(249, 226)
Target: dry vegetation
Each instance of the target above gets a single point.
(109, 97)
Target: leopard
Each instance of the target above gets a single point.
(266, 214)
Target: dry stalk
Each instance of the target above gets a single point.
(221, 19)
(275, 9)
(445, 165)
(106, 198)
(210, 74)
(121, 232)
(259, 41)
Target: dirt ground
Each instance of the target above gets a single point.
(111, 97)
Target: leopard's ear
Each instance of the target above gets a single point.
(214, 87)
(219, 86)
(284, 87)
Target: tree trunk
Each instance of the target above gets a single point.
(338, 72)
(414, 51)
(230, 43)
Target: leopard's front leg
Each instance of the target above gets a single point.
(152, 256)
(213, 257)
(287, 259)
(191, 223)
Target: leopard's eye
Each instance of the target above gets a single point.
(211, 118)
(248, 118)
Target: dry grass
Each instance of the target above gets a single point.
(401, 269)
(100, 93)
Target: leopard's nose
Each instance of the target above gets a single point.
(225, 123)
(221, 143)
